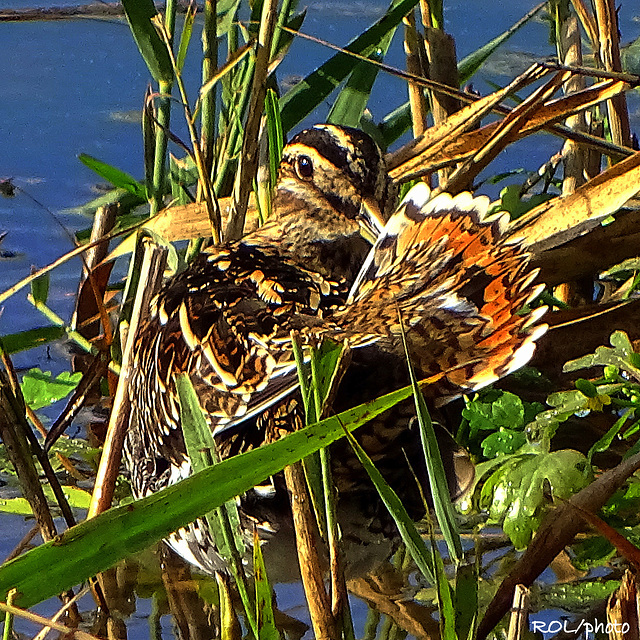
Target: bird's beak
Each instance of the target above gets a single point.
(370, 220)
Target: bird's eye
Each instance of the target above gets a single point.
(304, 167)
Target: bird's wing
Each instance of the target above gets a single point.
(445, 268)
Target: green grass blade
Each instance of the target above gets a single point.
(152, 49)
(185, 36)
(275, 134)
(97, 544)
(446, 610)
(119, 179)
(466, 600)
(224, 521)
(351, 102)
(406, 527)
(24, 340)
(40, 288)
(302, 99)
(437, 477)
(264, 603)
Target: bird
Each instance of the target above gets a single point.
(338, 259)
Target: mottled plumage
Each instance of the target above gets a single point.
(439, 264)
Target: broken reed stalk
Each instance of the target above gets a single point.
(443, 68)
(153, 265)
(574, 155)
(324, 624)
(570, 52)
(519, 614)
(609, 53)
(416, 61)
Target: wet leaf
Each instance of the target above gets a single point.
(515, 494)
(503, 442)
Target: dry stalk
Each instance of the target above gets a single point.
(507, 131)
(416, 66)
(574, 156)
(153, 266)
(322, 619)
(609, 51)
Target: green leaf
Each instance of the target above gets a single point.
(267, 629)
(620, 356)
(154, 52)
(77, 499)
(515, 494)
(226, 13)
(201, 449)
(224, 521)
(116, 177)
(302, 99)
(24, 340)
(95, 545)
(435, 469)
(274, 132)
(185, 37)
(493, 413)
(40, 389)
(511, 200)
(502, 442)
(466, 600)
(587, 387)
(446, 610)
(406, 526)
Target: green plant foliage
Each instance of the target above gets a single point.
(511, 200)
(139, 14)
(40, 388)
(264, 602)
(40, 288)
(77, 449)
(497, 420)
(576, 597)
(300, 101)
(77, 499)
(621, 356)
(97, 544)
(410, 536)
(25, 340)
(116, 177)
(351, 103)
(514, 495)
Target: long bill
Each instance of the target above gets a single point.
(370, 220)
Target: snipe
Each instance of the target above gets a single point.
(439, 264)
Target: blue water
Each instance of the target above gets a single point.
(64, 84)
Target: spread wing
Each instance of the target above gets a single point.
(444, 266)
